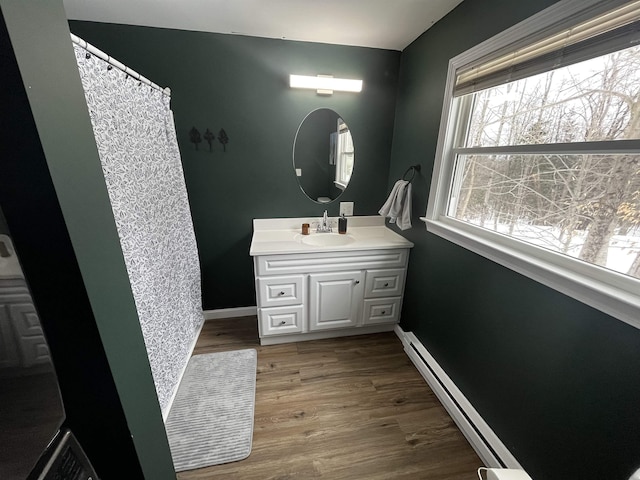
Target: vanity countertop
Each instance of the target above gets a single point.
(275, 236)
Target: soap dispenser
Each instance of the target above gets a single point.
(342, 224)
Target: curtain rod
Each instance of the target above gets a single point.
(112, 61)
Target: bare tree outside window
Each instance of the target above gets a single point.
(585, 205)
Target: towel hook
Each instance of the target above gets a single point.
(413, 169)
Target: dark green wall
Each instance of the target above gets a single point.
(55, 201)
(241, 84)
(555, 379)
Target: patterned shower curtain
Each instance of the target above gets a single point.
(136, 139)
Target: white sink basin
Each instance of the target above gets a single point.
(326, 239)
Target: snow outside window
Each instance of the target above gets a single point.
(538, 162)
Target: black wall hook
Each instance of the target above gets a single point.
(413, 169)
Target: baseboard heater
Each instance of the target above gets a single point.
(484, 441)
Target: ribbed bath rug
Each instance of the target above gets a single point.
(211, 419)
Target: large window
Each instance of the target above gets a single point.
(538, 160)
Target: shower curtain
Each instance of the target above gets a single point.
(136, 139)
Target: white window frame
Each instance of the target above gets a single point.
(342, 179)
(613, 293)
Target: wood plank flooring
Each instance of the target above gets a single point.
(344, 408)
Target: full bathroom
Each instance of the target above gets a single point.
(553, 378)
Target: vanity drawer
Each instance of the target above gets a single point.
(381, 310)
(384, 283)
(303, 263)
(281, 320)
(280, 291)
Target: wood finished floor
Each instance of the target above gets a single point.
(344, 408)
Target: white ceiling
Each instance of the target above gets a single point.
(388, 24)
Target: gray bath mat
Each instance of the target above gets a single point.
(211, 420)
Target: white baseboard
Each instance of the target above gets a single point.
(230, 313)
(165, 412)
(482, 438)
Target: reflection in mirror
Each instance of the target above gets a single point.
(323, 155)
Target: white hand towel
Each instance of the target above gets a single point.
(398, 206)
(385, 211)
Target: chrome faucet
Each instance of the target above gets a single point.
(324, 225)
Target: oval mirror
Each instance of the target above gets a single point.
(323, 155)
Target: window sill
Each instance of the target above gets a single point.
(612, 293)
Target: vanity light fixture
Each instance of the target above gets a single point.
(325, 84)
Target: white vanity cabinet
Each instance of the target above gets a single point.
(305, 296)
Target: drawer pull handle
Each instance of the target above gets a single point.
(386, 284)
(281, 293)
(283, 322)
(357, 282)
(384, 311)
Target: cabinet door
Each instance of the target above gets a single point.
(335, 300)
